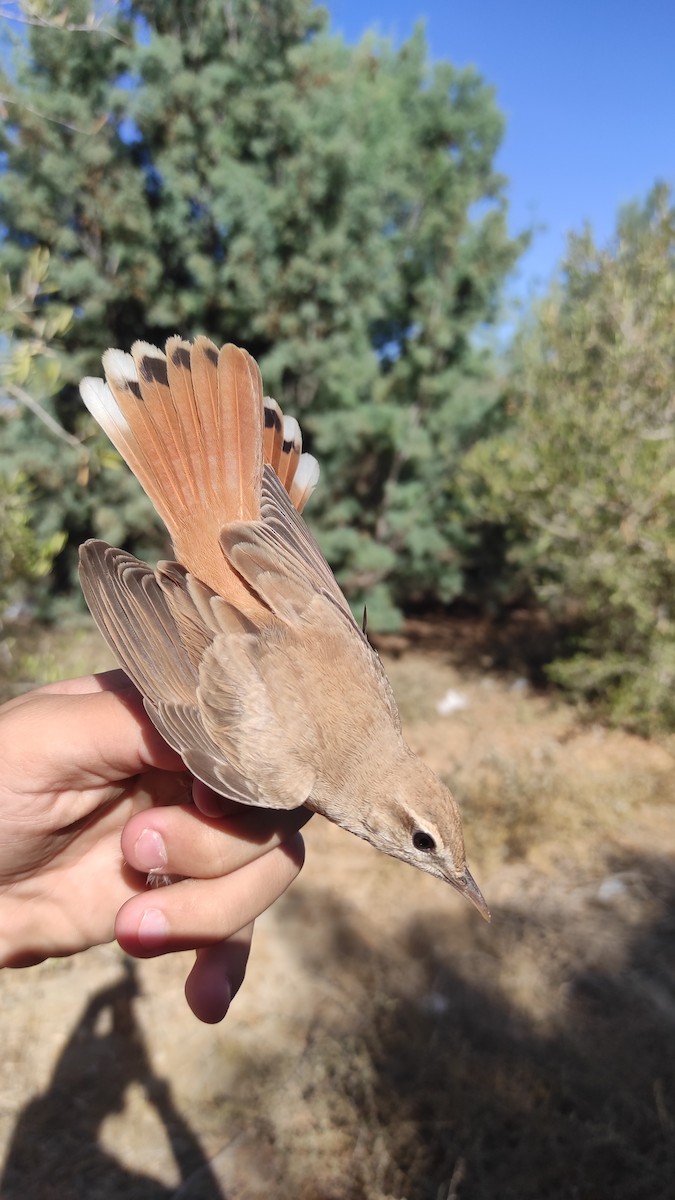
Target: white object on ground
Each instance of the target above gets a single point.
(451, 702)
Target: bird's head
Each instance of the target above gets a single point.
(409, 813)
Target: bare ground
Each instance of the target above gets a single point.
(387, 1045)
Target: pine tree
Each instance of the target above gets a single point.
(231, 168)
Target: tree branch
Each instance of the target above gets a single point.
(30, 16)
(95, 128)
(23, 397)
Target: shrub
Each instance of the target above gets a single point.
(581, 482)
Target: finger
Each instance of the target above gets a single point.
(217, 975)
(86, 739)
(180, 840)
(103, 681)
(211, 803)
(196, 913)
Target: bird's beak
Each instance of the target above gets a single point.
(468, 887)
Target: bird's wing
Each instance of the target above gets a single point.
(279, 559)
(170, 632)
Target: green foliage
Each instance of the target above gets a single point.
(582, 481)
(28, 360)
(23, 556)
(29, 373)
(235, 170)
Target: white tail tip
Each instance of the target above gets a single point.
(305, 480)
(102, 405)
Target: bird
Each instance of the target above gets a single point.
(248, 657)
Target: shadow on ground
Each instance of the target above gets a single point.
(423, 1072)
(442, 1088)
(55, 1153)
(520, 641)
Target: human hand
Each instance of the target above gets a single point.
(82, 768)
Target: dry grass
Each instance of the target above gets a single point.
(388, 1045)
(443, 1085)
(30, 656)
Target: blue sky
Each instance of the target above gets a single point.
(588, 91)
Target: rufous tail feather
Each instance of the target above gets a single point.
(192, 425)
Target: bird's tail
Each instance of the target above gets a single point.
(194, 428)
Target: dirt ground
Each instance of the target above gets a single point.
(387, 1044)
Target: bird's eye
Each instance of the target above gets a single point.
(423, 841)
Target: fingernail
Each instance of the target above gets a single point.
(153, 928)
(150, 851)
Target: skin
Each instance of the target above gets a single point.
(92, 800)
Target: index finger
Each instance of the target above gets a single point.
(115, 680)
(55, 741)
